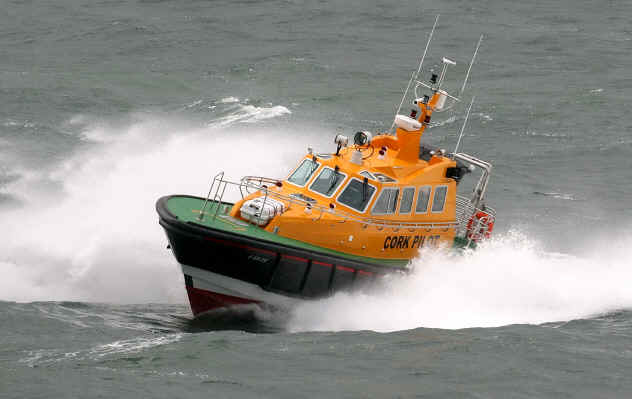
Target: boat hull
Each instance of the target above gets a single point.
(208, 291)
(224, 269)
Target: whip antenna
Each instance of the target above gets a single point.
(415, 74)
(467, 115)
(412, 75)
(427, 44)
(467, 75)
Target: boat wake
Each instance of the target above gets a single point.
(509, 280)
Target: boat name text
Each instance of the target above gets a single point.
(392, 242)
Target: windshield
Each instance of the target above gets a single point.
(327, 182)
(356, 195)
(303, 173)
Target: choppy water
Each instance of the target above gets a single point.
(106, 106)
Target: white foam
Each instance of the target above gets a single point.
(506, 281)
(229, 100)
(251, 114)
(113, 349)
(97, 237)
(133, 345)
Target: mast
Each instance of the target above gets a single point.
(415, 75)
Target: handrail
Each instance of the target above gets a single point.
(481, 186)
(465, 209)
(246, 183)
(221, 176)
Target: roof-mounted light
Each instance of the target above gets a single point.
(362, 138)
(341, 141)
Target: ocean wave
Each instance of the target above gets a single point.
(563, 196)
(112, 350)
(250, 114)
(229, 100)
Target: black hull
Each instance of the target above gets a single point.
(276, 268)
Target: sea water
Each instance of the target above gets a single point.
(107, 106)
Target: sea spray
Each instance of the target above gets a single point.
(88, 230)
(508, 280)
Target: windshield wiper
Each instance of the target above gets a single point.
(365, 189)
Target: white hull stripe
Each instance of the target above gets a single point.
(213, 282)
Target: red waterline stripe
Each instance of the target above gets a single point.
(322, 263)
(347, 269)
(365, 273)
(294, 258)
(265, 251)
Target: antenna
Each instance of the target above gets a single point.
(415, 74)
(467, 115)
(427, 44)
(467, 75)
(402, 102)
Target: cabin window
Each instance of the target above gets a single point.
(303, 173)
(386, 203)
(356, 195)
(438, 202)
(368, 174)
(385, 179)
(327, 182)
(406, 204)
(422, 199)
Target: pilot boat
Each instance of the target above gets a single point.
(338, 221)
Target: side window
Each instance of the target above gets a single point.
(303, 173)
(438, 202)
(406, 204)
(356, 195)
(327, 182)
(386, 203)
(422, 199)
